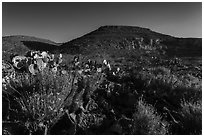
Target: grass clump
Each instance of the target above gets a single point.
(146, 121)
(191, 118)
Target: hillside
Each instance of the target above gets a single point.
(20, 44)
(112, 41)
(120, 37)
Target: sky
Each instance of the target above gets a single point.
(64, 21)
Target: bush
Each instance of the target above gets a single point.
(40, 100)
(146, 121)
(43, 99)
(160, 82)
(191, 119)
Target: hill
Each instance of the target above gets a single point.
(113, 41)
(20, 44)
(121, 37)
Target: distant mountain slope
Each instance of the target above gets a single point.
(120, 37)
(20, 44)
(117, 41)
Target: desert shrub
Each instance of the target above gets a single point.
(160, 70)
(40, 101)
(191, 81)
(146, 121)
(88, 121)
(162, 83)
(190, 119)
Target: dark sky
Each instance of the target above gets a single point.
(61, 22)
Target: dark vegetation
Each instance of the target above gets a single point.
(20, 44)
(34, 45)
(157, 91)
(183, 47)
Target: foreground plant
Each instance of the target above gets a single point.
(146, 121)
(191, 118)
(41, 100)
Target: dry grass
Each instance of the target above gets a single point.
(146, 121)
